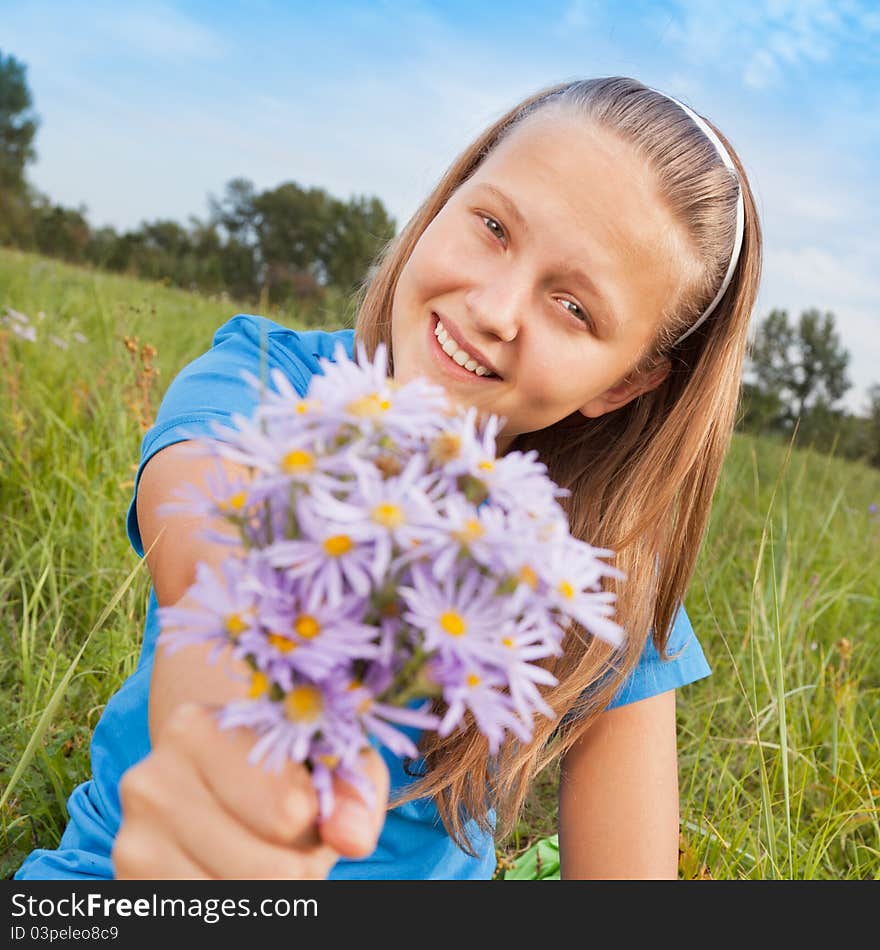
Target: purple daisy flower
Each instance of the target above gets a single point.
(295, 458)
(224, 608)
(517, 481)
(283, 406)
(386, 512)
(312, 640)
(571, 573)
(294, 727)
(456, 614)
(326, 556)
(362, 395)
(513, 652)
(474, 688)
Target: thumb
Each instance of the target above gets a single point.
(353, 827)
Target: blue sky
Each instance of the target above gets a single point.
(146, 107)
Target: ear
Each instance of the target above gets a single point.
(630, 387)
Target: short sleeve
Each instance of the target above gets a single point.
(212, 388)
(654, 675)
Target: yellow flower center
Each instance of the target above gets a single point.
(281, 643)
(369, 406)
(445, 448)
(298, 460)
(302, 406)
(306, 626)
(235, 625)
(388, 514)
(331, 761)
(566, 590)
(528, 575)
(453, 623)
(470, 531)
(234, 502)
(338, 544)
(473, 680)
(303, 704)
(507, 641)
(487, 465)
(546, 531)
(259, 685)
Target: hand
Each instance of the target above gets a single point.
(195, 808)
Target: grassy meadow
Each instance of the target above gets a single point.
(779, 752)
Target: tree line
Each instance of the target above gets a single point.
(291, 243)
(795, 381)
(281, 243)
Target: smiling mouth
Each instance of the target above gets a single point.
(457, 356)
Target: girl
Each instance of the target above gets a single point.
(586, 269)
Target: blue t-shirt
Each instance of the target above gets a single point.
(413, 843)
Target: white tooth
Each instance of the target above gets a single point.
(471, 365)
(442, 336)
(438, 330)
(449, 346)
(460, 357)
(482, 371)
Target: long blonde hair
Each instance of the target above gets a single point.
(641, 478)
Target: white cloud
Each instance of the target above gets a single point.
(157, 30)
(773, 39)
(579, 14)
(762, 70)
(815, 270)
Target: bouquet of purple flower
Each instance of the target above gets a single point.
(384, 557)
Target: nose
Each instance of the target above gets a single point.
(497, 309)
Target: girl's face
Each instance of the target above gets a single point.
(551, 266)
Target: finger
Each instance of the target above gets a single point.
(216, 841)
(353, 827)
(141, 853)
(281, 807)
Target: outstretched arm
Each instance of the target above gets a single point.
(195, 807)
(618, 795)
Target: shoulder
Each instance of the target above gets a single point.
(214, 387)
(215, 383)
(685, 663)
(248, 338)
(248, 330)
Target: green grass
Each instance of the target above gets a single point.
(779, 765)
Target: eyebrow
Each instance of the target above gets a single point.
(609, 317)
(511, 208)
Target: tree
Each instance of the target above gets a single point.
(18, 123)
(820, 371)
(796, 371)
(292, 225)
(235, 211)
(301, 240)
(59, 231)
(358, 230)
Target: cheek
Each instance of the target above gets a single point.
(559, 382)
(441, 260)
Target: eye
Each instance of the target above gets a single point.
(493, 226)
(576, 311)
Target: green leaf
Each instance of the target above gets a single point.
(539, 863)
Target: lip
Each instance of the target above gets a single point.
(449, 363)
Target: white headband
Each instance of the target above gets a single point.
(740, 214)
